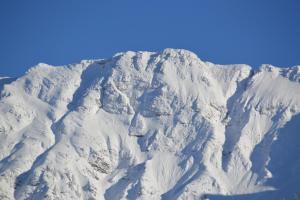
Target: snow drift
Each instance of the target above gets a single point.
(144, 125)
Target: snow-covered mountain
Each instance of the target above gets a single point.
(145, 125)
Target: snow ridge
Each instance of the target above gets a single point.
(145, 125)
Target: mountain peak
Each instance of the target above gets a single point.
(146, 125)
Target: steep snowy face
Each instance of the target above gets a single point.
(147, 125)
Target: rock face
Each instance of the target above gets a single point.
(146, 126)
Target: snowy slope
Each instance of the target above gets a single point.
(147, 125)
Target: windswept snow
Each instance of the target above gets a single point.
(145, 125)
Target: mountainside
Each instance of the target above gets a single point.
(146, 126)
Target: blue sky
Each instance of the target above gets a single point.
(221, 31)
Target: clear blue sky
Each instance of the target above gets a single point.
(222, 31)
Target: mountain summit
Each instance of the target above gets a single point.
(145, 125)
